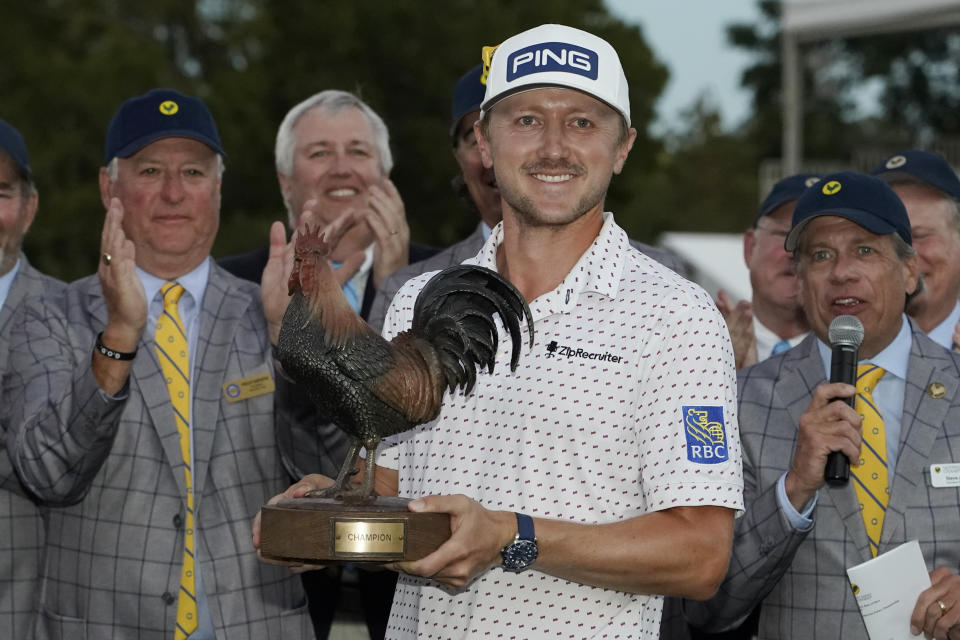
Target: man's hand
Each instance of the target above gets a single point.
(388, 221)
(739, 319)
(296, 490)
(825, 427)
(276, 275)
(928, 616)
(125, 299)
(274, 284)
(332, 234)
(478, 535)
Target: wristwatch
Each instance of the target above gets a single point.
(521, 553)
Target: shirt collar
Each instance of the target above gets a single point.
(193, 282)
(894, 358)
(485, 230)
(6, 281)
(766, 339)
(942, 334)
(359, 279)
(598, 269)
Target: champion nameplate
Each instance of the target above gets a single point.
(381, 538)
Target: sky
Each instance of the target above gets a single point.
(689, 37)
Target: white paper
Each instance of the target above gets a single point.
(887, 588)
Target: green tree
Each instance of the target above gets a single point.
(67, 66)
(828, 107)
(916, 72)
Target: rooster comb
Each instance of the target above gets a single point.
(312, 241)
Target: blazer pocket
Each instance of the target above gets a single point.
(52, 626)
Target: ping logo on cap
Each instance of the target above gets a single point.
(706, 434)
(896, 162)
(169, 107)
(831, 188)
(552, 56)
(811, 181)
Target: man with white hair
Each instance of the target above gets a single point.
(143, 409)
(333, 157)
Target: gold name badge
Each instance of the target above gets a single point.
(250, 387)
(380, 538)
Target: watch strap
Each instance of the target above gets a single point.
(524, 527)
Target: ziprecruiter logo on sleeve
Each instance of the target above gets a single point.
(555, 350)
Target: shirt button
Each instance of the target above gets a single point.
(177, 521)
(168, 598)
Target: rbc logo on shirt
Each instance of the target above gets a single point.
(552, 56)
(706, 434)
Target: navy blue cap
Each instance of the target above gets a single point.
(858, 197)
(926, 166)
(785, 191)
(159, 113)
(467, 96)
(12, 143)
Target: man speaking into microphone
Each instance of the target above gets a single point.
(852, 247)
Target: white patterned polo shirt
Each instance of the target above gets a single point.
(625, 405)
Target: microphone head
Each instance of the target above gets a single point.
(846, 331)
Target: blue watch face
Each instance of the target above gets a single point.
(519, 555)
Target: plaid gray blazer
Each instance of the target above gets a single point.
(468, 248)
(110, 471)
(800, 576)
(454, 254)
(21, 527)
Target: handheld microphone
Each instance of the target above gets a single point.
(846, 334)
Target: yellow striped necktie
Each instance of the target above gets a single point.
(172, 351)
(870, 474)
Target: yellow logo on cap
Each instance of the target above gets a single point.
(169, 107)
(831, 188)
(487, 56)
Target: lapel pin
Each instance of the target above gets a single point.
(936, 390)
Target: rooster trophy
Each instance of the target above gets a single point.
(372, 388)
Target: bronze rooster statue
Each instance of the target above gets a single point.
(372, 388)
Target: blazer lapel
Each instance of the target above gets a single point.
(803, 372)
(224, 306)
(931, 386)
(18, 291)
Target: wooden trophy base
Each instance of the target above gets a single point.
(327, 531)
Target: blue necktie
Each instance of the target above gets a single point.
(349, 290)
(780, 347)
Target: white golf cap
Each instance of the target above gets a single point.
(554, 55)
